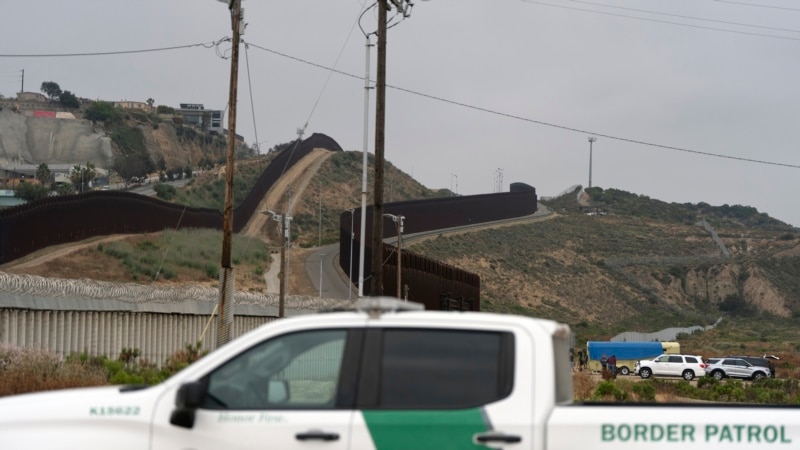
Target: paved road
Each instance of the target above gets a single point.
(335, 282)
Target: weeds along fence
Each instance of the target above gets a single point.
(429, 281)
(57, 220)
(101, 318)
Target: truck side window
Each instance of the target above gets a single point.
(294, 371)
(444, 369)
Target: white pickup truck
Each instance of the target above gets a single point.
(383, 377)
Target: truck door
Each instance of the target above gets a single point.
(293, 391)
(440, 388)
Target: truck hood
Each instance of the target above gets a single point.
(72, 404)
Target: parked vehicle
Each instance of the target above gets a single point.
(720, 368)
(762, 361)
(627, 353)
(384, 377)
(686, 366)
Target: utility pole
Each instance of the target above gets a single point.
(380, 122)
(226, 276)
(592, 139)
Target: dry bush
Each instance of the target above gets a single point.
(583, 386)
(31, 370)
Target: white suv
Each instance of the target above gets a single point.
(686, 366)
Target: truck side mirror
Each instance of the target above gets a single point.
(187, 400)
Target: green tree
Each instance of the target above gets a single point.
(102, 111)
(31, 191)
(132, 165)
(44, 175)
(165, 191)
(163, 109)
(82, 176)
(69, 100)
(52, 89)
(65, 189)
(150, 102)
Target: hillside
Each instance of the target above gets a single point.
(606, 261)
(166, 145)
(643, 266)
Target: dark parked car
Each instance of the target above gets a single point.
(762, 361)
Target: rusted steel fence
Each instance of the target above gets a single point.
(57, 220)
(431, 282)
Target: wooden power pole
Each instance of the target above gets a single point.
(226, 275)
(380, 122)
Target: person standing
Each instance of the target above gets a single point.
(612, 365)
(604, 362)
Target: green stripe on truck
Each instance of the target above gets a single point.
(421, 430)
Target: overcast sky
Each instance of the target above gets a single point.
(519, 86)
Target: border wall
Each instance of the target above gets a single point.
(429, 281)
(30, 227)
(101, 318)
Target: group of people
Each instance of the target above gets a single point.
(582, 361)
(609, 364)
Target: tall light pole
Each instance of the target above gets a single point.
(592, 139)
(362, 242)
(398, 223)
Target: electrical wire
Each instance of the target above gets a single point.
(686, 17)
(747, 33)
(118, 52)
(757, 5)
(534, 121)
(331, 71)
(250, 87)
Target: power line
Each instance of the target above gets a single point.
(252, 105)
(538, 122)
(774, 36)
(687, 17)
(758, 6)
(119, 52)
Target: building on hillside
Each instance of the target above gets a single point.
(128, 104)
(207, 119)
(13, 174)
(31, 97)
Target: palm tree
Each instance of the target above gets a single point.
(43, 175)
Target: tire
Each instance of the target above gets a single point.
(688, 375)
(718, 374)
(759, 376)
(645, 372)
(624, 370)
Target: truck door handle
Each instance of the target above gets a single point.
(484, 438)
(317, 436)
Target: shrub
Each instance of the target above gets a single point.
(33, 370)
